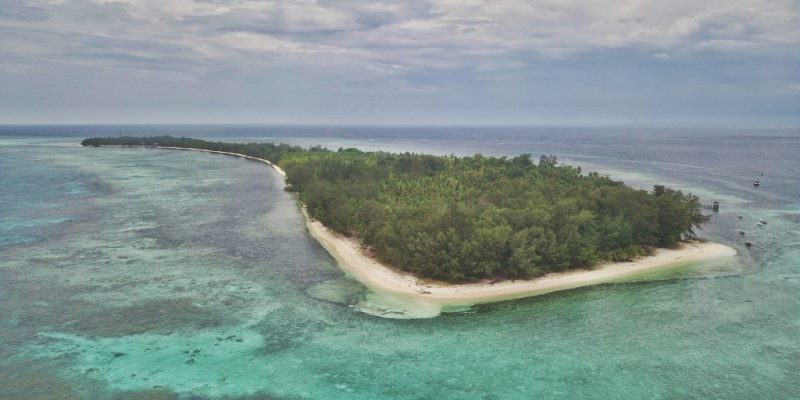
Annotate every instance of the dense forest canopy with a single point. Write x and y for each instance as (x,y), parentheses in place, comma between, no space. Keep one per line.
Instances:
(466,218)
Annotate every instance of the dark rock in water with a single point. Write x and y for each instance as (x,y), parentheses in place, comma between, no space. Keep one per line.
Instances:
(146,316)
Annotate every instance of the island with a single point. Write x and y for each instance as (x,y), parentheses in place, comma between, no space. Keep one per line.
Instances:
(455,231)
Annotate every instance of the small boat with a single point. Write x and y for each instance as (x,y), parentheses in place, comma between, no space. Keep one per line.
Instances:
(740,217)
(756,184)
(762,221)
(748,243)
(741,232)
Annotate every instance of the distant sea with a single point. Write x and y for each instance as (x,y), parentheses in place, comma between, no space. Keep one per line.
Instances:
(153,274)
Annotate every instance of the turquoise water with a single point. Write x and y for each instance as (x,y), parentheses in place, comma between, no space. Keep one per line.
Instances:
(132,273)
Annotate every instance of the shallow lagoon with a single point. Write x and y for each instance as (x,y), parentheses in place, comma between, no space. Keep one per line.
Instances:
(130,273)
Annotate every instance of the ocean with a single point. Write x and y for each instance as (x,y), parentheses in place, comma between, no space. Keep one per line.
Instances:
(154,274)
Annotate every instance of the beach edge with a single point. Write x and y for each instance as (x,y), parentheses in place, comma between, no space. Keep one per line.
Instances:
(350,257)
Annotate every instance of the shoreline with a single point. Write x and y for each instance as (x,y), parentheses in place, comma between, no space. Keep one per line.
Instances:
(378,277)
(277,169)
(351,258)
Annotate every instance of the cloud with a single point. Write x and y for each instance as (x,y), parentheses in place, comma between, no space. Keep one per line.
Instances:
(19,10)
(793,88)
(415,34)
(379,47)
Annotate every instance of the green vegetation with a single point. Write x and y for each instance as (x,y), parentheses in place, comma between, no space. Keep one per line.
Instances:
(466,218)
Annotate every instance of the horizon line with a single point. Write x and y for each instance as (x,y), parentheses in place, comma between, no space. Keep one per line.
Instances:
(732,126)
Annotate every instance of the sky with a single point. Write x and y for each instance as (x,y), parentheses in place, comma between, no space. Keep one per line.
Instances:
(415,62)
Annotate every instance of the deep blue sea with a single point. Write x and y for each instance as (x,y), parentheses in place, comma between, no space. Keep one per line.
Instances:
(154,274)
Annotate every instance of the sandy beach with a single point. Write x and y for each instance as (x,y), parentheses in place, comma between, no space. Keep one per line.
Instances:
(351,258)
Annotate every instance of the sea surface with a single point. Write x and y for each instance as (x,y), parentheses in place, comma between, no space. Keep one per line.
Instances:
(157,274)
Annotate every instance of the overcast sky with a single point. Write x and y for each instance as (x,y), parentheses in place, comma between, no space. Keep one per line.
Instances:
(463,62)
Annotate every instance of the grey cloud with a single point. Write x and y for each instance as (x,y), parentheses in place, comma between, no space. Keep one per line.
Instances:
(427,34)
(414,51)
(261,23)
(21,11)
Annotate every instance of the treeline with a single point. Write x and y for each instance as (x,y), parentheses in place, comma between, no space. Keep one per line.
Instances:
(268,151)
(467,218)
